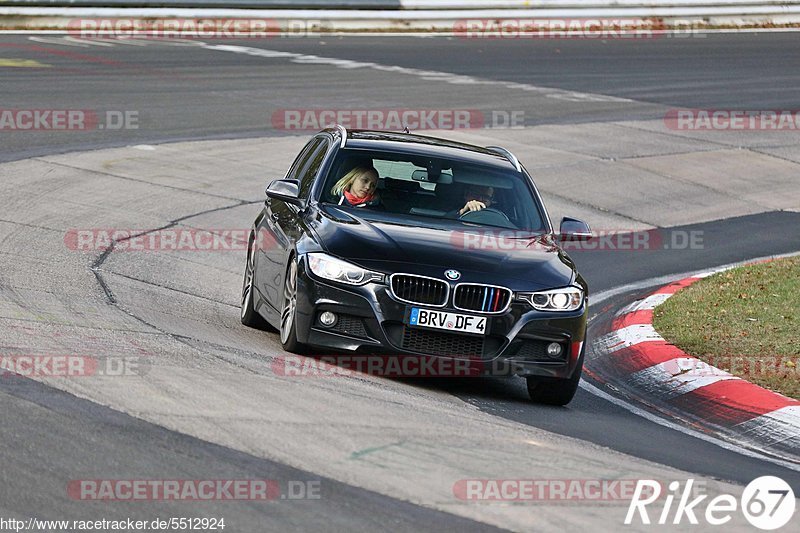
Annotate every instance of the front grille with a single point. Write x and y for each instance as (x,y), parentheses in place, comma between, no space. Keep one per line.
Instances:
(419,289)
(483,298)
(444,344)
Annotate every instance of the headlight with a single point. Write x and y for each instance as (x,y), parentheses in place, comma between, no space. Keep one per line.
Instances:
(566,299)
(327,267)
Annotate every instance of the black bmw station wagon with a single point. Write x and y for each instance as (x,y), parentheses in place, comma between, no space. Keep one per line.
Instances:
(397,243)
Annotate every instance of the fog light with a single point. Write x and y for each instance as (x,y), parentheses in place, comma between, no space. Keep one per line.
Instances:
(327,319)
(553,349)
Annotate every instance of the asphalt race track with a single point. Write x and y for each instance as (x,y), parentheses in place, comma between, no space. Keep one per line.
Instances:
(202,95)
(386,454)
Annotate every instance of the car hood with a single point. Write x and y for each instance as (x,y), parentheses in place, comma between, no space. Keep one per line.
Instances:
(481,254)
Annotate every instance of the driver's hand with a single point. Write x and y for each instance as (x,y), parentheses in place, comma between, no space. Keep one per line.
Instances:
(472,205)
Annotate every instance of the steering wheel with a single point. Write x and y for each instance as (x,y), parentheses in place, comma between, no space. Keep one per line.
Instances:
(488,215)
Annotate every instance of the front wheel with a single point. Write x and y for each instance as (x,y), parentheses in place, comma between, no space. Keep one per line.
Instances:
(289,312)
(250,316)
(553,391)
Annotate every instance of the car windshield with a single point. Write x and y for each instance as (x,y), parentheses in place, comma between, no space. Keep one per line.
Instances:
(439,189)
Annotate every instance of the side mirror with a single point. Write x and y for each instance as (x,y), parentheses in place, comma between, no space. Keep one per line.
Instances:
(287,191)
(573,229)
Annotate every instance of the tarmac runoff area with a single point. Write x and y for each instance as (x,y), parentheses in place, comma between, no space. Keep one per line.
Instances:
(211,378)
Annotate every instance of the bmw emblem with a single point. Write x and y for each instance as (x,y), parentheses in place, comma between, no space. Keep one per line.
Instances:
(452,274)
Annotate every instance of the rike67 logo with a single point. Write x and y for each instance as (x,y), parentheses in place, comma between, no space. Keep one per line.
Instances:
(767,503)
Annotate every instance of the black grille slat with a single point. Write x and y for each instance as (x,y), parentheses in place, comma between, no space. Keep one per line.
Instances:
(419,290)
(443,344)
(482,298)
(350,325)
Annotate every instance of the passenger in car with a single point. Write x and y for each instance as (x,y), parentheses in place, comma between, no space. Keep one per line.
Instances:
(358,187)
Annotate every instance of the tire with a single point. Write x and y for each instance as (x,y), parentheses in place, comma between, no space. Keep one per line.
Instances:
(249,315)
(553,391)
(288,329)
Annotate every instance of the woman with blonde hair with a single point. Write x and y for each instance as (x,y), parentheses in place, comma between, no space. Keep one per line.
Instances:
(357,187)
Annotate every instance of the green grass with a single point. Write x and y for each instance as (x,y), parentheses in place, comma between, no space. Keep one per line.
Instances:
(745,321)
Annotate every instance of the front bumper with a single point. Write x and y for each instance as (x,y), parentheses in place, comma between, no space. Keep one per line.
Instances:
(371,322)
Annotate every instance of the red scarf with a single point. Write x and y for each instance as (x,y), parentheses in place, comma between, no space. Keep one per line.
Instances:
(355,200)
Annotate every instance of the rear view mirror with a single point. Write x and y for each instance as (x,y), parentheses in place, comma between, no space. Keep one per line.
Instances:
(445,178)
(573,229)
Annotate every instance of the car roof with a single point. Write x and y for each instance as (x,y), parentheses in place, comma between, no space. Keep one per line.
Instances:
(413,143)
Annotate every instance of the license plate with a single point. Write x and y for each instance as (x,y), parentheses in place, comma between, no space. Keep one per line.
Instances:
(428,318)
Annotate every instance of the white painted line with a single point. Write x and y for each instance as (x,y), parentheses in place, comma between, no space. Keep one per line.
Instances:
(431,75)
(523,4)
(179,42)
(86,41)
(686,431)
(128,41)
(709,273)
(140,42)
(57,41)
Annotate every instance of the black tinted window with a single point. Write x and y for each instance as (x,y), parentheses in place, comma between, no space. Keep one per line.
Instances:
(311,166)
(404,188)
(295,172)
